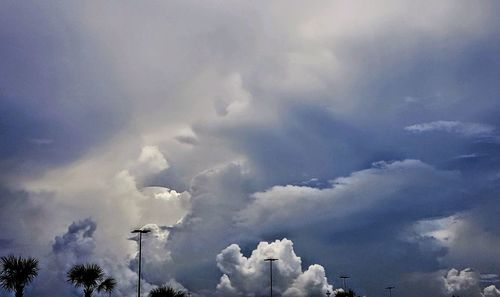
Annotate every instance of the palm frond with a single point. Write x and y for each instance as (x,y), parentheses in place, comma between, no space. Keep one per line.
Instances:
(166,291)
(88,275)
(107,285)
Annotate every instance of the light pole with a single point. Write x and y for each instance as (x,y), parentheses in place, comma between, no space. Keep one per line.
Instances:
(271,260)
(140,231)
(344,278)
(390,290)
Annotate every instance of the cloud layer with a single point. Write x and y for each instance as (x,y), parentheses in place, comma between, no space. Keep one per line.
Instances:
(365,133)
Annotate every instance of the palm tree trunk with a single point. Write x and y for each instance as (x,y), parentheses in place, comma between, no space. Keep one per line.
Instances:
(19,291)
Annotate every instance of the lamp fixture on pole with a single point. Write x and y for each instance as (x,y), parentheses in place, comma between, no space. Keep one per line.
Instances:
(344,281)
(390,290)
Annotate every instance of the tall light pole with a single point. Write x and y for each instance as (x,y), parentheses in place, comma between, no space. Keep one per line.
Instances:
(344,280)
(390,290)
(271,260)
(140,231)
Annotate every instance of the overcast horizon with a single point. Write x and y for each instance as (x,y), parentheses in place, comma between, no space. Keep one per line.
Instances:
(341,137)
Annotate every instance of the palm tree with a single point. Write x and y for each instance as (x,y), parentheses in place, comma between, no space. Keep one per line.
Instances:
(166,291)
(17,272)
(91,278)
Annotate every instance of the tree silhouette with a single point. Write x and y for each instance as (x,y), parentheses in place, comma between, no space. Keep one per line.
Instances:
(343,293)
(91,277)
(17,272)
(166,291)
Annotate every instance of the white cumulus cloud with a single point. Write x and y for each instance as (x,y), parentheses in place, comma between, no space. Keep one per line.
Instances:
(249,276)
(151,161)
(491,291)
(466,282)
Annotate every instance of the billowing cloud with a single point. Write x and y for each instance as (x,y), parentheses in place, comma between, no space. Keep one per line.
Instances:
(460,281)
(150,161)
(240,122)
(249,276)
(156,257)
(466,282)
(448,282)
(78,240)
(491,291)
(400,189)
(76,246)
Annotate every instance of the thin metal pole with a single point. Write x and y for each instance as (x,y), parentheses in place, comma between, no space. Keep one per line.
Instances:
(271,269)
(140,256)
(271,260)
(140,231)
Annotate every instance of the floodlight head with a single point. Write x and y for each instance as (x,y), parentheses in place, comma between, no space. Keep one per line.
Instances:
(344,276)
(390,288)
(141,231)
(271,259)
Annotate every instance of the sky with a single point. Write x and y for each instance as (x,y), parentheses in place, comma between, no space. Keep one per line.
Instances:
(341,137)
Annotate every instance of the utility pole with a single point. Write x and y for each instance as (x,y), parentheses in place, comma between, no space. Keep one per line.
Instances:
(271,260)
(140,231)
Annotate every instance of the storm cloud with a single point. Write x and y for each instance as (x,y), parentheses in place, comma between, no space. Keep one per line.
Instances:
(366,134)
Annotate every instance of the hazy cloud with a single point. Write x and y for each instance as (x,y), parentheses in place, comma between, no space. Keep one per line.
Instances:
(462,129)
